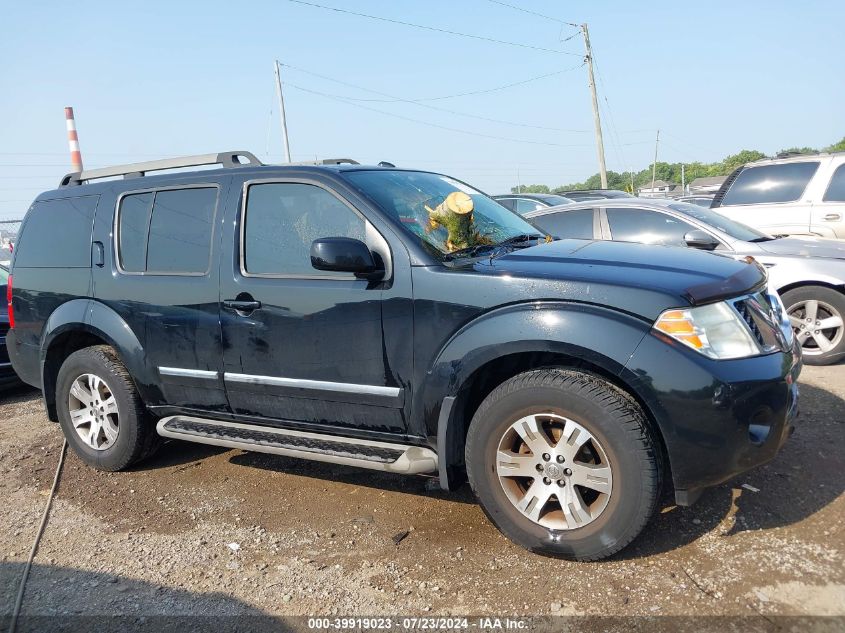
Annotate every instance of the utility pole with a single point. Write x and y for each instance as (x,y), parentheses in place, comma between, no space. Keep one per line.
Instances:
(518,181)
(596,117)
(683,179)
(654,164)
(282,109)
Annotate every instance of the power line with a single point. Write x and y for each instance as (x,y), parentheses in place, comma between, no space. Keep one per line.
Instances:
(433,28)
(539,15)
(429,106)
(466,94)
(428,123)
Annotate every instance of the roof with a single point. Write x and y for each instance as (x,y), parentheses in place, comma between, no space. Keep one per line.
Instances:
(707,181)
(657,183)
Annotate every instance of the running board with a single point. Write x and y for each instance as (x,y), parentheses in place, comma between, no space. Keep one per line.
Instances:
(386,456)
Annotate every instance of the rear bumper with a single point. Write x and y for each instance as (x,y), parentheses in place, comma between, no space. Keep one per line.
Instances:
(24,360)
(717,418)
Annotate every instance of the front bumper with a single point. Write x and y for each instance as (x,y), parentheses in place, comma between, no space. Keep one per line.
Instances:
(717,418)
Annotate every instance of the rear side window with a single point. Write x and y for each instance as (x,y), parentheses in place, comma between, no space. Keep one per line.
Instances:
(576,224)
(283,219)
(167,231)
(523,206)
(57,234)
(770,183)
(836,189)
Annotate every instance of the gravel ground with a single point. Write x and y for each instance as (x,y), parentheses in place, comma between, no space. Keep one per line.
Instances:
(217,532)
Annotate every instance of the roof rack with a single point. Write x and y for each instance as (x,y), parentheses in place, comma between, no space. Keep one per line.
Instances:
(328,161)
(136,170)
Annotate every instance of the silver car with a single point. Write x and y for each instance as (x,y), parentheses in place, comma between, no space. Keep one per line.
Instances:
(808,272)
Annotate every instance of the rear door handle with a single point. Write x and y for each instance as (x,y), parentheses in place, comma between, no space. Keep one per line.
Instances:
(99,254)
(833,217)
(241,306)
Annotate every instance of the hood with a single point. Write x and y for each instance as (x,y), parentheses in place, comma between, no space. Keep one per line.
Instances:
(682,276)
(804,247)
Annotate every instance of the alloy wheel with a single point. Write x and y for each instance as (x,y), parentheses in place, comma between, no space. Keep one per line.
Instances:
(818,326)
(554,471)
(94,411)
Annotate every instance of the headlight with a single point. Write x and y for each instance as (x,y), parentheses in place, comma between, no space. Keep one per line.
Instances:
(715,330)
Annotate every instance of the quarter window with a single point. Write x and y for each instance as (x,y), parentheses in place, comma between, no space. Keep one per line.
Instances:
(770,183)
(167,231)
(283,219)
(57,234)
(647,227)
(836,189)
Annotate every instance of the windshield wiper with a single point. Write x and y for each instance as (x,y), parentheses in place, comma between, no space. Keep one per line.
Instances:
(475,251)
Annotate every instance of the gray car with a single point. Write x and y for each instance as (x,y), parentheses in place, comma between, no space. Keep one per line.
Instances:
(808,272)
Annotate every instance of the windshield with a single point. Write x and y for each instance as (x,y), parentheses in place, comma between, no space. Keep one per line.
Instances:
(736,230)
(445,215)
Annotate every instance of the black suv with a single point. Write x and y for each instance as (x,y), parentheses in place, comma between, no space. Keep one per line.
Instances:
(401,321)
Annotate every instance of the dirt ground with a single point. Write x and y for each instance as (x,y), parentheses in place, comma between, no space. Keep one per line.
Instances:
(217,532)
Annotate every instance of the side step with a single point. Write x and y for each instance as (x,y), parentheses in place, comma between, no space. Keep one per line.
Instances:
(394,458)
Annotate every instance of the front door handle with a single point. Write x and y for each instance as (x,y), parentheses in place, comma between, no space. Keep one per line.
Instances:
(833,217)
(241,305)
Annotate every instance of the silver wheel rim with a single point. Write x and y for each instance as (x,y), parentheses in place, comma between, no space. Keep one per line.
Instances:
(554,471)
(93,411)
(817,325)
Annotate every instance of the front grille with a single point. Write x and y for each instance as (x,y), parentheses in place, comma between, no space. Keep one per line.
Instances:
(763,321)
(745,313)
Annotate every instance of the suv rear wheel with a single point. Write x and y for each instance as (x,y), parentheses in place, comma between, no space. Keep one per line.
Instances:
(101,414)
(816,314)
(563,463)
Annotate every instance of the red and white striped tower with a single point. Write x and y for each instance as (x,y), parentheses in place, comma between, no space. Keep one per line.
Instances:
(73,141)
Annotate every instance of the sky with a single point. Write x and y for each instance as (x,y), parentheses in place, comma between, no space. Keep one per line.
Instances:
(157,79)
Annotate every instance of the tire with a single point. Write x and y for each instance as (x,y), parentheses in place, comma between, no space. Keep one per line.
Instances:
(820,345)
(601,413)
(117,431)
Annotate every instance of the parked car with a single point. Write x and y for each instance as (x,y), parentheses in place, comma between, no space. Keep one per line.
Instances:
(701,200)
(580,195)
(7,374)
(339,313)
(524,202)
(798,195)
(808,272)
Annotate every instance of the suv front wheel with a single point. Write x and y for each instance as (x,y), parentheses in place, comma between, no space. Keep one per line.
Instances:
(563,463)
(101,414)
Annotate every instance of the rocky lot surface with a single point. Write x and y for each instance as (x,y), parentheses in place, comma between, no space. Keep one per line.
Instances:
(199,530)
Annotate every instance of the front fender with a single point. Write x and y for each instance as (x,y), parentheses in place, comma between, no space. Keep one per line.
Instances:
(597,335)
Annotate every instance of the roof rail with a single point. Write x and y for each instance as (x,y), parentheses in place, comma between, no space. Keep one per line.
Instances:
(136,170)
(327,161)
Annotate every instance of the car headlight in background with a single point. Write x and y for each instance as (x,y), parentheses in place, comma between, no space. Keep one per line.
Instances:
(715,330)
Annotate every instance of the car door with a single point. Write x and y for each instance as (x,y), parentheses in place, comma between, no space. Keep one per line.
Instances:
(162,282)
(772,198)
(308,348)
(828,216)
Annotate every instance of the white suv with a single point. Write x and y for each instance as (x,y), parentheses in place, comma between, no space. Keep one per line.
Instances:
(799,195)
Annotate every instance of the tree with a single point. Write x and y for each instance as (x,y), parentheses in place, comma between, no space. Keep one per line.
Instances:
(799,150)
(737,160)
(530,189)
(836,147)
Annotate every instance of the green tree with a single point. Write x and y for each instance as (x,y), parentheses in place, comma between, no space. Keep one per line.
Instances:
(737,160)
(530,189)
(836,147)
(799,150)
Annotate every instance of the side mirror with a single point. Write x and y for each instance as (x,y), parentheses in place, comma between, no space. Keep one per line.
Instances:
(345,255)
(701,239)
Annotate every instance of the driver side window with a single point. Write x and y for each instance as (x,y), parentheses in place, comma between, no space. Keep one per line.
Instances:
(282,220)
(646,227)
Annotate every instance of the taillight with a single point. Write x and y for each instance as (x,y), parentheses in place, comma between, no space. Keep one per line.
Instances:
(9,302)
